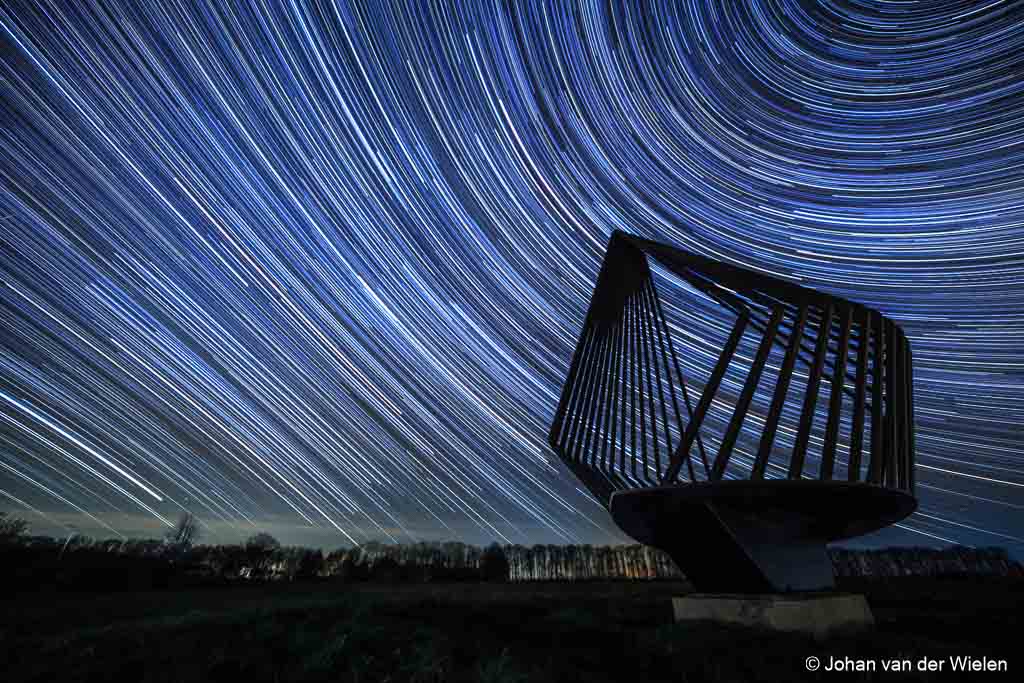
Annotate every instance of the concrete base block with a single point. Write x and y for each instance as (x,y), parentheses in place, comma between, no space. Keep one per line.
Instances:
(816,614)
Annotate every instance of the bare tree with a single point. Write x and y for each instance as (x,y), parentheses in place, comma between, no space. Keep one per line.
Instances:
(185,533)
(11,528)
(262,541)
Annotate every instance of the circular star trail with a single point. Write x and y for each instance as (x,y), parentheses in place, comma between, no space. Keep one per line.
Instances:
(323,266)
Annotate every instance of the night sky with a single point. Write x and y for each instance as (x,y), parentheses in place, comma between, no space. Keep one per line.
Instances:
(320,269)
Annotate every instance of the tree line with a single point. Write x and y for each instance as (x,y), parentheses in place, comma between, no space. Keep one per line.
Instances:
(180,559)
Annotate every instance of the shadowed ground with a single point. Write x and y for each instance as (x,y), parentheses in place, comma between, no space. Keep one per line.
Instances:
(465,632)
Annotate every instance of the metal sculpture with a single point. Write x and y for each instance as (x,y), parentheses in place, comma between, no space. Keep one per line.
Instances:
(738,517)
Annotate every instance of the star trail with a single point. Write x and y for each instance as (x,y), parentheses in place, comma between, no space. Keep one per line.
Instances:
(323,266)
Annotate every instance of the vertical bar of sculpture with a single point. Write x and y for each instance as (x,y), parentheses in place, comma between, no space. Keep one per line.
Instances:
(571,388)
(668,378)
(611,386)
(898,408)
(890,474)
(746,395)
(575,412)
(706,397)
(828,451)
(796,463)
(648,356)
(639,360)
(910,418)
(600,424)
(586,434)
(857,425)
(632,392)
(877,428)
(771,424)
(682,385)
(593,402)
(614,396)
(648,314)
(904,384)
(624,376)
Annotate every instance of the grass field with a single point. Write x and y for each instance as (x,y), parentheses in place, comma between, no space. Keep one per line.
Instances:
(472,632)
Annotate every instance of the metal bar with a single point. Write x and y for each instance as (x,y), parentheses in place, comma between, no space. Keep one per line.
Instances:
(601,447)
(570,392)
(735,278)
(632,390)
(624,377)
(705,399)
(583,444)
(796,463)
(579,391)
(828,451)
(771,423)
(567,391)
(890,475)
(877,429)
(686,396)
(649,313)
(809,359)
(743,404)
(911,454)
(857,425)
(682,384)
(596,301)
(904,412)
(638,359)
(598,305)
(899,478)
(731,301)
(668,377)
(614,395)
(600,432)
(649,359)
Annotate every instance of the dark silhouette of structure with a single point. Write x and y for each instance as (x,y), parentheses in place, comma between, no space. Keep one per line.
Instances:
(744,492)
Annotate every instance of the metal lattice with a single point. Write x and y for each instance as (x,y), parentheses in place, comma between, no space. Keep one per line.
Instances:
(629,417)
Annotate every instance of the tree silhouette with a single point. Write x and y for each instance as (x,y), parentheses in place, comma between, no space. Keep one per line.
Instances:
(494,564)
(185,533)
(11,528)
(262,541)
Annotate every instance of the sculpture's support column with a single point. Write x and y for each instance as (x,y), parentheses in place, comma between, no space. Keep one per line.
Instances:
(755,536)
(738,552)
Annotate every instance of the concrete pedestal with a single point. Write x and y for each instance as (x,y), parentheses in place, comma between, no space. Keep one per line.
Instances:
(816,614)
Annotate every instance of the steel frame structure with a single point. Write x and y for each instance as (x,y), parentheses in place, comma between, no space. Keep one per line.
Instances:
(634,430)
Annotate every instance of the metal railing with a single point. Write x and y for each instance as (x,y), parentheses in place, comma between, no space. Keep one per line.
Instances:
(629,417)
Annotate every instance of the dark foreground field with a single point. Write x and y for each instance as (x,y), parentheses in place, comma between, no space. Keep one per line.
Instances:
(474,632)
